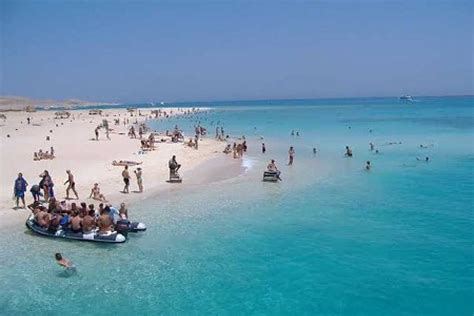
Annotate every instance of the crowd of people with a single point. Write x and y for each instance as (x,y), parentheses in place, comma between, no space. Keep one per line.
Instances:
(80,218)
(42,155)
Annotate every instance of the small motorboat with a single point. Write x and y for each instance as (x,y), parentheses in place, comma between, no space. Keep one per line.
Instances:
(407,98)
(112,237)
(271,176)
(125,226)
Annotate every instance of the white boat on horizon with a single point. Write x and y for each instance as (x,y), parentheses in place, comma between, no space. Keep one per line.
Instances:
(406,98)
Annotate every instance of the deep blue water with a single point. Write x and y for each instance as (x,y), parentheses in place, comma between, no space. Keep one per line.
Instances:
(330,239)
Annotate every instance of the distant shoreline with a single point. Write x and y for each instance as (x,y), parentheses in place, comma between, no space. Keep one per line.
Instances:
(16,103)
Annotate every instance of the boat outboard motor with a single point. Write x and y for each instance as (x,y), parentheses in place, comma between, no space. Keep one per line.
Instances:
(122,226)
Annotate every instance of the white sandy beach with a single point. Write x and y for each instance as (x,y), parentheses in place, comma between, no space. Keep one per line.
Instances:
(90,161)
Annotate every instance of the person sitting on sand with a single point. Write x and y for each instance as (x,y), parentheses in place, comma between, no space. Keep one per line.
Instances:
(64,262)
(104,222)
(190,143)
(96,195)
(35,156)
(348,152)
(227,149)
(88,222)
(40,154)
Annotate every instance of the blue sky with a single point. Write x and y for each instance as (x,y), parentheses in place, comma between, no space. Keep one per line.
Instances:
(176,51)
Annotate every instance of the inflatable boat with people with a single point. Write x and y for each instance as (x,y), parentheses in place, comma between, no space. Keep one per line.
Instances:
(95,236)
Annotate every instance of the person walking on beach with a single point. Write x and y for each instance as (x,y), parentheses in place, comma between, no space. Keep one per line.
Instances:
(291,154)
(71,185)
(126,179)
(19,189)
(96,133)
(138,173)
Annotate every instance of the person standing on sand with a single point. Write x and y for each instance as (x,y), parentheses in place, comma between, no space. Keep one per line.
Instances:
(126,179)
(71,185)
(107,133)
(138,173)
(19,189)
(291,154)
(97,133)
(47,184)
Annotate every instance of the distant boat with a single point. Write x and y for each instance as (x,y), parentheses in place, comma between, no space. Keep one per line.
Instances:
(406,98)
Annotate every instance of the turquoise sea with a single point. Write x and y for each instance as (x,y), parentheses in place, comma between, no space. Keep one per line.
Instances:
(330,239)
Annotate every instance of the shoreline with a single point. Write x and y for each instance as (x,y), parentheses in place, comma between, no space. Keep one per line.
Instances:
(91,161)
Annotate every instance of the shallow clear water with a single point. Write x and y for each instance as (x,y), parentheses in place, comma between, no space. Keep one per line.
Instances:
(330,239)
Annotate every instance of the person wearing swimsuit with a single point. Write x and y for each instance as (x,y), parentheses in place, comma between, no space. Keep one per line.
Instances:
(71,185)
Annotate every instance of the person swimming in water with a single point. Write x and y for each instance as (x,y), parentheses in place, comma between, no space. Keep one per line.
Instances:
(368,166)
(427,159)
(64,262)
